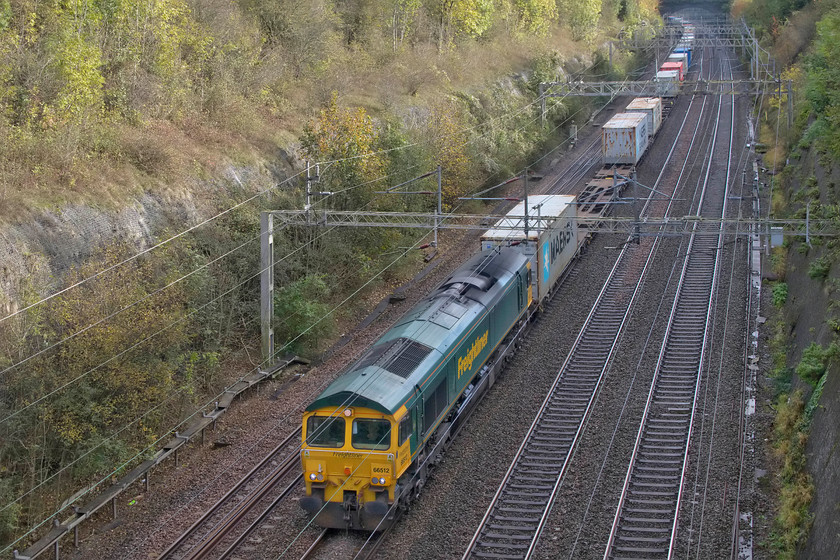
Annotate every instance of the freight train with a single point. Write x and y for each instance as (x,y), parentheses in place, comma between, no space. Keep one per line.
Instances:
(371,436)
(676,65)
(370,439)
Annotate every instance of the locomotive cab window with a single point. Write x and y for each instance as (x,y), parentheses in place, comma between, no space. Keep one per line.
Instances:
(325,431)
(371,434)
(405,429)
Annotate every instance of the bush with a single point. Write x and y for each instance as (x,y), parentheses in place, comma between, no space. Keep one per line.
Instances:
(814,362)
(819,268)
(778,261)
(301,312)
(791,434)
(780,293)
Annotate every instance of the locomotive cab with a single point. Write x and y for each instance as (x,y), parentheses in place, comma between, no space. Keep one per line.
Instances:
(351,456)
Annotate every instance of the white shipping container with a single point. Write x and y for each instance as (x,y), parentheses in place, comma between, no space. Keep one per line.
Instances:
(625,138)
(552,237)
(652,107)
(667,83)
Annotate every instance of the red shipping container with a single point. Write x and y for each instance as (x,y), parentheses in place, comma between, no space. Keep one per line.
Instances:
(678,66)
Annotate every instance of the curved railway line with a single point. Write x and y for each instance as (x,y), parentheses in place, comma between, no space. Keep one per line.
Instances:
(646,520)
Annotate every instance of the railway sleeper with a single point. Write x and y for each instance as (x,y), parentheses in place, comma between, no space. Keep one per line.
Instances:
(499,556)
(509,546)
(496,526)
(507,536)
(644,520)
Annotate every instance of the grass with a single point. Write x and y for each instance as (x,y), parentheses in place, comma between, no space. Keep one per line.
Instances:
(793,520)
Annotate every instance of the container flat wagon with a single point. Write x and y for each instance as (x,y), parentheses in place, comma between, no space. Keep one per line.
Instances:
(667,83)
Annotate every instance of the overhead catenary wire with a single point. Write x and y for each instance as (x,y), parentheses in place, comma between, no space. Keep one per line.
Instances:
(254,197)
(217,396)
(348,402)
(453,211)
(146,339)
(247,451)
(101,272)
(238,205)
(184,277)
(208,303)
(148,249)
(322,318)
(161,289)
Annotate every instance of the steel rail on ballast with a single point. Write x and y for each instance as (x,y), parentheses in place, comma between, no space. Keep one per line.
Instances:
(534,476)
(645,522)
(192,545)
(316,544)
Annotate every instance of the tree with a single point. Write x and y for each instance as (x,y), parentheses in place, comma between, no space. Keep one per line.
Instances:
(403,16)
(301,31)
(535,16)
(348,138)
(449,148)
(471,17)
(581,16)
(823,89)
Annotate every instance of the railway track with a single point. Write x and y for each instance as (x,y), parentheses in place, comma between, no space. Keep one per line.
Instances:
(516,516)
(216,528)
(646,520)
(518,512)
(360,550)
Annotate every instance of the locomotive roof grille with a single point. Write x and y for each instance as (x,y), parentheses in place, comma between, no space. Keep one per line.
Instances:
(400,356)
(407,361)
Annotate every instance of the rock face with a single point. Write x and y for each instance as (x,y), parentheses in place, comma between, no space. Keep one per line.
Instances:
(35,255)
(824,464)
(809,306)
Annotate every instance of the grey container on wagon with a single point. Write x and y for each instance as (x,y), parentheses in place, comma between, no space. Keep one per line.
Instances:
(667,83)
(679,57)
(652,107)
(552,240)
(624,138)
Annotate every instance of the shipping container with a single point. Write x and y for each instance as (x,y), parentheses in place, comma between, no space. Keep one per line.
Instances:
(667,83)
(679,57)
(552,237)
(625,138)
(652,107)
(678,66)
(687,52)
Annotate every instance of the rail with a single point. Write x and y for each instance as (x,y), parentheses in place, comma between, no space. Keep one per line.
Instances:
(51,540)
(646,519)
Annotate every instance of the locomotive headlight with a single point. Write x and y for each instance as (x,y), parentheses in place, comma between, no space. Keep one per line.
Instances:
(381,481)
(374,480)
(313,476)
(320,477)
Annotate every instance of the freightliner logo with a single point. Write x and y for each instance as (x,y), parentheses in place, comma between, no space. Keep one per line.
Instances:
(465,363)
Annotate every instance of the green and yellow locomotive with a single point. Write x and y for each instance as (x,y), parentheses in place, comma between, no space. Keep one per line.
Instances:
(370,437)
